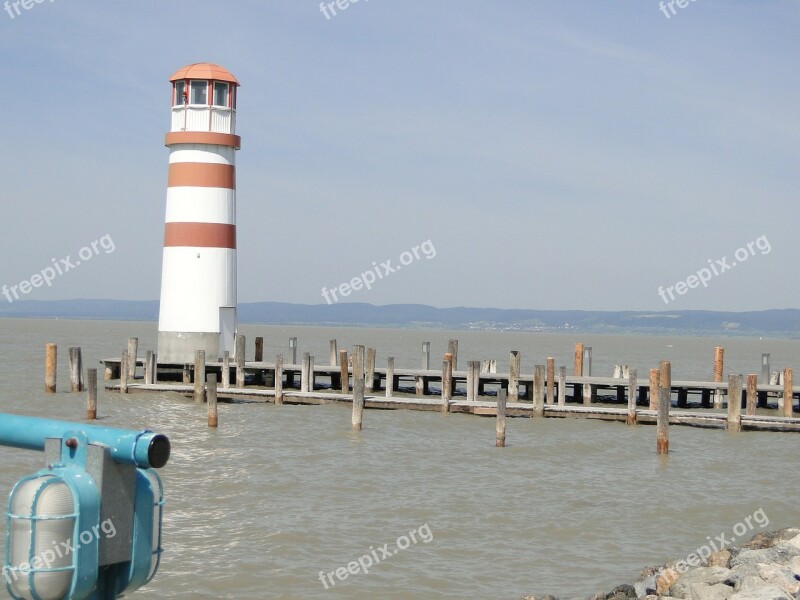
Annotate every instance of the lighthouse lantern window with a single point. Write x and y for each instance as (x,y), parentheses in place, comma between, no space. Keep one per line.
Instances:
(199,92)
(180,92)
(221,94)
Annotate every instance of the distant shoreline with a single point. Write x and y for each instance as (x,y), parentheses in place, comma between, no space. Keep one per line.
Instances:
(775,323)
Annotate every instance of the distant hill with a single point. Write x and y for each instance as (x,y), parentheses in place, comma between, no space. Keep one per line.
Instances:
(772,323)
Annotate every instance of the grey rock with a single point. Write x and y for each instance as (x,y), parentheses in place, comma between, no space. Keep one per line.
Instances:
(597,596)
(622,592)
(645,587)
(689,585)
(765,592)
(749,583)
(780,553)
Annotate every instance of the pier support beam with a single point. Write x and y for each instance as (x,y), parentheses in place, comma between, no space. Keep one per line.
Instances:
(389,377)
(562,386)
(664,395)
(50,368)
(279,379)
(91,399)
(199,376)
(500,426)
(344,372)
(551,383)
(752,394)
(538,391)
(719,363)
(358,404)
(632,385)
(514,363)
(734,403)
(75,370)
(788,398)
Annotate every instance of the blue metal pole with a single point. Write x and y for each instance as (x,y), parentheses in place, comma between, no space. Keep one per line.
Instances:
(141,448)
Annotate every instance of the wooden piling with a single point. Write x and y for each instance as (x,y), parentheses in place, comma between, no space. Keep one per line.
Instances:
(358,363)
(369,371)
(279,379)
(123,373)
(587,361)
(447,373)
(91,398)
(788,399)
(551,383)
(734,403)
(654,376)
(344,372)
(562,386)
(514,362)
(293,350)
(473,376)
(213,415)
(75,370)
(500,426)
(259,357)
(664,395)
(148,367)
(333,352)
(389,376)
(632,393)
(200,376)
(239,356)
(187,374)
(719,364)
(133,351)
(452,348)
(587,393)
(50,368)
(752,394)
(578,359)
(154,368)
(426,356)
(538,391)
(358,404)
(304,371)
(226,370)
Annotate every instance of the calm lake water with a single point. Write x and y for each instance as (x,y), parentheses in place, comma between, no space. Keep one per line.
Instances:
(259,507)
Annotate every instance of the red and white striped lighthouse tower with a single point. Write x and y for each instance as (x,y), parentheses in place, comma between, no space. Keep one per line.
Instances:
(198,279)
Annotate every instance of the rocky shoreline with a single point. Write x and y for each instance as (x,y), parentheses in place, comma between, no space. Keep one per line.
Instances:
(765,568)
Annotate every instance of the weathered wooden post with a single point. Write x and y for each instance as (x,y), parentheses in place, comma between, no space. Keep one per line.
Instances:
(148,368)
(123,373)
(279,379)
(719,360)
(358,363)
(562,386)
(500,426)
(344,372)
(389,376)
(154,368)
(632,389)
(213,415)
(538,391)
(259,357)
(239,351)
(578,359)
(452,348)
(292,357)
(654,376)
(358,404)
(50,368)
(426,356)
(752,394)
(734,403)
(587,393)
(369,371)
(551,383)
(788,397)
(765,373)
(473,375)
(333,352)
(226,370)
(587,361)
(664,396)
(200,376)
(187,374)
(133,351)
(304,371)
(447,372)
(75,370)
(91,399)
(514,362)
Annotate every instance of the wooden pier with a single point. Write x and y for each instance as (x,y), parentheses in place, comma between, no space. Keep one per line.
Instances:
(546,392)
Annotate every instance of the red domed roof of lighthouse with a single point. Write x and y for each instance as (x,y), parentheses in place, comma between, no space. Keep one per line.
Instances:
(204,71)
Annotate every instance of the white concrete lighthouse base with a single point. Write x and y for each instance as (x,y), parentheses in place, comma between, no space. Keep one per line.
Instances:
(179,347)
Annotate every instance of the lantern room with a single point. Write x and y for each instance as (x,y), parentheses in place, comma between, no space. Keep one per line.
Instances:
(204,99)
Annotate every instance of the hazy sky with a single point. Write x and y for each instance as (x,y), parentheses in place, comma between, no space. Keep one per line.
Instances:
(558,154)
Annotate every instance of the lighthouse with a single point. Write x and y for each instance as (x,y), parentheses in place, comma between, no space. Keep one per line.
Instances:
(198,277)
